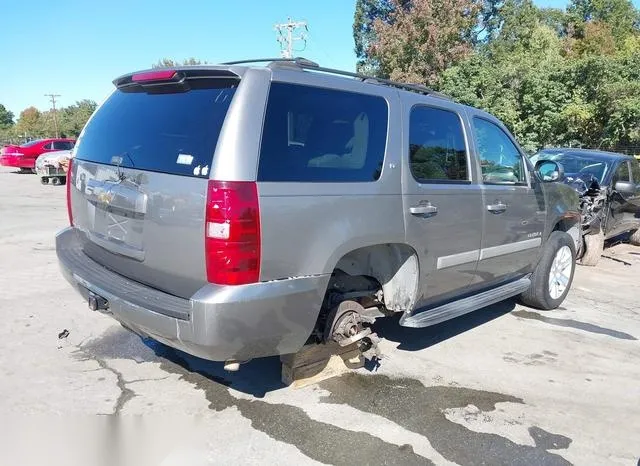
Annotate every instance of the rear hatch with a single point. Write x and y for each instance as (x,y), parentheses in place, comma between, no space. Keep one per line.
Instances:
(141,172)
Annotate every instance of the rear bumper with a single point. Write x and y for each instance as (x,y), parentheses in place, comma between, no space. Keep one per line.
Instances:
(17,161)
(217,323)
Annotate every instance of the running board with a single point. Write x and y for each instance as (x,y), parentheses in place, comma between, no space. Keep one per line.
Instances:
(432,316)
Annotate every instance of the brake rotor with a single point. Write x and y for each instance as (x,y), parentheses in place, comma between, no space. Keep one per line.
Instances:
(344,326)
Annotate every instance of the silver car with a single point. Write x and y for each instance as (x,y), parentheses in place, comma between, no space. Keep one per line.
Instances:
(240,211)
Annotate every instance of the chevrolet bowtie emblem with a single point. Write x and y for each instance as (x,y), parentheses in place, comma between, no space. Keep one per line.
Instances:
(105,197)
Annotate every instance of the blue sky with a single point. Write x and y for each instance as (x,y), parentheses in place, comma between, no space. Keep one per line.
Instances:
(77,47)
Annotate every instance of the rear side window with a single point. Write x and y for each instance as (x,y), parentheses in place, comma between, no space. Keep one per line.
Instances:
(322,135)
(437,151)
(172,132)
(62,145)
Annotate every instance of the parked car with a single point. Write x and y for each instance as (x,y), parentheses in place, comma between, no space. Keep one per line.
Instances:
(51,167)
(609,187)
(24,156)
(237,211)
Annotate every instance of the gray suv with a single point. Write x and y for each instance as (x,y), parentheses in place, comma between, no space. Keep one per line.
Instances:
(240,211)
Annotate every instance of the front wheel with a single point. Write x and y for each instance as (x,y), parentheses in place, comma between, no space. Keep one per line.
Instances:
(552,277)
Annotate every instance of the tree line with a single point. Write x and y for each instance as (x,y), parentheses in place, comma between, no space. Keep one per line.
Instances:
(33,123)
(554,77)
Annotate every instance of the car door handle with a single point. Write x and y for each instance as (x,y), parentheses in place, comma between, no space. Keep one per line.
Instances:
(497,208)
(426,210)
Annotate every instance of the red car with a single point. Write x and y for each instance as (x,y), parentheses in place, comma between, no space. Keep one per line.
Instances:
(24,156)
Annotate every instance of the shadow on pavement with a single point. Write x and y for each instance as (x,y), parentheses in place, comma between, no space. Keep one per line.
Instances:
(260,376)
(415,339)
(256,377)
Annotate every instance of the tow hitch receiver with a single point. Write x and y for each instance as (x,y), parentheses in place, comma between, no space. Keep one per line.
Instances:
(97,303)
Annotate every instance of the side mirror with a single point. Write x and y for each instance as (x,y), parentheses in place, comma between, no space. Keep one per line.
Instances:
(550,171)
(624,187)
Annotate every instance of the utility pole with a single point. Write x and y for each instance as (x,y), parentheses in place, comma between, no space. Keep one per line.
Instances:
(286,36)
(52,98)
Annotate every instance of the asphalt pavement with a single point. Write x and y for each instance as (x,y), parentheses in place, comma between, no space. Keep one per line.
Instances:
(503,385)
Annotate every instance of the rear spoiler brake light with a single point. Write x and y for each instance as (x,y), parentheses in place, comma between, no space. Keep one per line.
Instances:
(160,77)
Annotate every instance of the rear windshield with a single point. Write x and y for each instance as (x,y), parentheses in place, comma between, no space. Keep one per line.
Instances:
(322,135)
(32,143)
(173,132)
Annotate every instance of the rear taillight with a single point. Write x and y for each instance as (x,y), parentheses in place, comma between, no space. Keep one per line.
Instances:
(232,233)
(69,183)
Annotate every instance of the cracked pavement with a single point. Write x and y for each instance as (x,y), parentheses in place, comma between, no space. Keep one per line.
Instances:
(503,385)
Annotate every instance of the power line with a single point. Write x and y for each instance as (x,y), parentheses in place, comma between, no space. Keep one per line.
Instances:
(286,36)
(52,98)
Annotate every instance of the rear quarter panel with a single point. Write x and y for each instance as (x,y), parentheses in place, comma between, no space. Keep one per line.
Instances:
(308,227)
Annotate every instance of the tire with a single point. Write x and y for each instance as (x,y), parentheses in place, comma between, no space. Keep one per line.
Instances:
(635,238)
(559,254)
(55,181)
(44,180)
(593,247)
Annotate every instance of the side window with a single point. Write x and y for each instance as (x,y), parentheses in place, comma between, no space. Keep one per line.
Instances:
(500,160)
(635,172)
(61,145)
(437,150)
(622,172)
(48,146)
(322,135)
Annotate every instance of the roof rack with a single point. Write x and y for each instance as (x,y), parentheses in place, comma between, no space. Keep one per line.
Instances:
(306,64)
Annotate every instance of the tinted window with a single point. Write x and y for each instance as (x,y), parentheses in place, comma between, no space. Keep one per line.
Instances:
(48,146)
(323,135)
(622,172)
(436,145)
(167,132)
(62,145)
(500,160)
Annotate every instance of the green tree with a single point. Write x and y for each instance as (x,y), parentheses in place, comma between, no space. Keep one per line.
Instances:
(6,117)
(366,13)
(29,123)
(74,117)
(620,15)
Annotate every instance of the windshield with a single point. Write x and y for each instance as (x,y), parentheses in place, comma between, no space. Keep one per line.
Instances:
(577,165)
(32,143)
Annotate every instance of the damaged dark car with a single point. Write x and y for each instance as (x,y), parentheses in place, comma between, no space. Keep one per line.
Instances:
(609,188)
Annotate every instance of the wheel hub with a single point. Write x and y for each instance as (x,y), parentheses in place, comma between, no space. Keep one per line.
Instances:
(560,272)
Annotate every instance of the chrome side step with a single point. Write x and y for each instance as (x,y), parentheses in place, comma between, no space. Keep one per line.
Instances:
(431,316)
